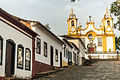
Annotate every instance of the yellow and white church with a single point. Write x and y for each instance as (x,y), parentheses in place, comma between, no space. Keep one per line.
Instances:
(96,40)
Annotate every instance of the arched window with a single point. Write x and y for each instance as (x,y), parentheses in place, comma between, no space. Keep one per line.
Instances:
(72,23)
(1,49)
(108,22)
(20,56)
(27,59)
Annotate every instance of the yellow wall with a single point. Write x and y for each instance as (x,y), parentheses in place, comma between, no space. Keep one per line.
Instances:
(104,43)
(64,63)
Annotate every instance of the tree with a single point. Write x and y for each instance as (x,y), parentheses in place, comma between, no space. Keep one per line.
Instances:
(72,0)
(117,43)
(115,9)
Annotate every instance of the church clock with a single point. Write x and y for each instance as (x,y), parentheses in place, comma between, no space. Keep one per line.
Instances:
(109,29)
(72,29)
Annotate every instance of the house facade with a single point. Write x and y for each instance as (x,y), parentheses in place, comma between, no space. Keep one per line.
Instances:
(48,47)
(82,49)
(17,44)
(51,49)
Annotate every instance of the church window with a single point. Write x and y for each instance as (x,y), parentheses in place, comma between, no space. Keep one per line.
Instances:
(45,49)
(38,49)
(108,23)
(1,49)
(20,56)
(90,36)
(56,55)
(99,41)
(27,59)
(72,23)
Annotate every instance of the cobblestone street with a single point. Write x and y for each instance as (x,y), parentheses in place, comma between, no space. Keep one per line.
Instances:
(100,70)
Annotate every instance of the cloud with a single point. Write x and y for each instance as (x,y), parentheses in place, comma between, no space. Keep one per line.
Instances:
(56,12)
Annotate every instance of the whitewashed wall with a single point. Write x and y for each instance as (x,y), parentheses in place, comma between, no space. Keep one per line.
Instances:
(8,32)
(45,36)
(110,43)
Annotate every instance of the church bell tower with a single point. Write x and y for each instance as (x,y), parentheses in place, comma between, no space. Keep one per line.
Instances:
(72,24)
(107,23)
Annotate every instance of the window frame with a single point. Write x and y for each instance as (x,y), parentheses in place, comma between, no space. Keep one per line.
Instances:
(38,40)
(72,23)
(56,55)
(30,60)
(1,49)
(83,40)
(18,66)
(100,42)
(108,22)
(45,49)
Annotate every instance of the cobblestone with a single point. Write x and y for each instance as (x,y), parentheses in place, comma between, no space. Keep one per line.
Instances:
(100,70)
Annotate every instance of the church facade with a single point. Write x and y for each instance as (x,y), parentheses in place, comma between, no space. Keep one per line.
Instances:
(100,40)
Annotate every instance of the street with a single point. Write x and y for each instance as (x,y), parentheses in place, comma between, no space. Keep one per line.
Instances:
(100,70)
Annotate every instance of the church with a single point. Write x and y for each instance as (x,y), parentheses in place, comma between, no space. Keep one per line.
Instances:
(96,40)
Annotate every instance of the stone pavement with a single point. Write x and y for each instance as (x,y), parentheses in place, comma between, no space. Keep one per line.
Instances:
(100,70)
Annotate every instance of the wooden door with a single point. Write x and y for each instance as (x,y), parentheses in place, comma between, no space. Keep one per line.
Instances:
(10,59)
(60,59)
(69,58)
(51,57)
(91,50)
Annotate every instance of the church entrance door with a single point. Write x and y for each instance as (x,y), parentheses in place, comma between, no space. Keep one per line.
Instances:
(91,50)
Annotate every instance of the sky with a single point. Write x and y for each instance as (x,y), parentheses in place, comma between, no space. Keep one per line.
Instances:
(56,12)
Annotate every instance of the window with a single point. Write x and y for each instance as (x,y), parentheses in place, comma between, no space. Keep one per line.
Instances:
(56,55)
(45,49)
(20,56)
(64,50)
(72,23)
(99,41)
(90,36)
(38,49)
(108,23)
(1,49)
(27,59)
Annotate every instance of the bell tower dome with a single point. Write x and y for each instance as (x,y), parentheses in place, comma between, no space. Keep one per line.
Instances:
(72,24)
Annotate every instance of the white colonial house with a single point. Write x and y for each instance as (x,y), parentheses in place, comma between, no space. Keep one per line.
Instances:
(48,47)
(75,56)
(16,48)
(79,43)
(49,54)
(67,53)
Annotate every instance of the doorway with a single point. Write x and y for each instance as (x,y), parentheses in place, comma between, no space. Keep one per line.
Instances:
(91,50)
(60,59)
(51,57)
(10,58)
(69,58)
